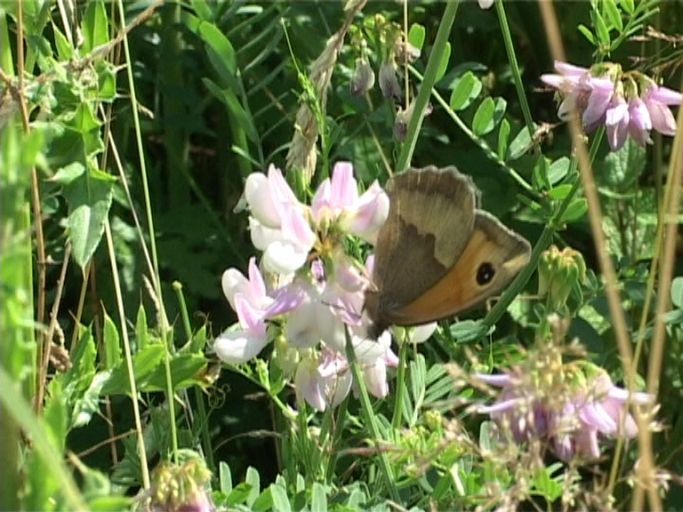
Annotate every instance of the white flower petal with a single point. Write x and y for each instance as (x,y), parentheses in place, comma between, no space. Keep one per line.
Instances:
(284,257)
(239,346)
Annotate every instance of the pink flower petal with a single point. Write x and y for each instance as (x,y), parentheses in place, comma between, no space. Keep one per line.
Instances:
(598,101)
(640,123)
(569,69)
(664,95)
(344,190)
(368,214)
(307,385)
(662,119)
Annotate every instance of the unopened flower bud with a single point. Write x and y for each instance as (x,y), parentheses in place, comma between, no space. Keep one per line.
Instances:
(363,78)
(180,487)
(559,271)
(388,82)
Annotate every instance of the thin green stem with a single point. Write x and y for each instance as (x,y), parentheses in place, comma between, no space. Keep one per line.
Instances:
(370,420)
(142,452)
(164,327)
(514,66)
(339,429)
(422,98)
(400,385)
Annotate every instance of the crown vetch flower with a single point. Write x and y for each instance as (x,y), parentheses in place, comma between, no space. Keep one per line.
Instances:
(589,409)
(627,103)
(316,290)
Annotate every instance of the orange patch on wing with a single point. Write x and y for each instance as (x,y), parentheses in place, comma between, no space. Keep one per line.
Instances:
(455,291)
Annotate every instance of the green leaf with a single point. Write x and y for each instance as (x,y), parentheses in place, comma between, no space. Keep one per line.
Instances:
(483,122)
(225,478)
(613,14)
(84,120)
(106,83)
(677,292)
(540,173)
(221,52)
(198,341)
(201,7)
(486,435)
(547,486)
(264,502)
(443,65)
(576,210)
(95,26)
(621,169)
(68,173)
(55,414)
(559,192)
(239,494)
(89,197)
(145,363)
(627,5)
(141,334)
(230,100)
(520,144)
(89,403)
(112,347)
(600,28)
(77,379)
(416,35)
(280,500)
(64,49)
(254,480)
(465,89)
(186,371)
(503,138)
(585,31)
(468,330)
(558,170)
(318,498)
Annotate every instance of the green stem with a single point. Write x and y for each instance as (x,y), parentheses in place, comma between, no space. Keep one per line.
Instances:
(339,429)
(370,420)
(543,241)
(152,238)
(198,396)
(400,385)
(426,86)
(516,75)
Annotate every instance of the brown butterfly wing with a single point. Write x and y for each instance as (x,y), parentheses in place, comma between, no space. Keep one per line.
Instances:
(493,256)
(431,217)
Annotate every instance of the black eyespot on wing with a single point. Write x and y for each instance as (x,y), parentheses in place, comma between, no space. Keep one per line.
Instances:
(485,273)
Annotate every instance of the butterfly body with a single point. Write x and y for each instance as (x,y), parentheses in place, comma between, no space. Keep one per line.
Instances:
(437,254)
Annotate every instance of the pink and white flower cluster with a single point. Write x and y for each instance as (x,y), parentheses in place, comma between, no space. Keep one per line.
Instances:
(625,103)
(572,419)
(311,291)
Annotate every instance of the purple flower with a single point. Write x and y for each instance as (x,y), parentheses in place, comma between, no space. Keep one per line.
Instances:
(656,101)
(606,95)
(572,420)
